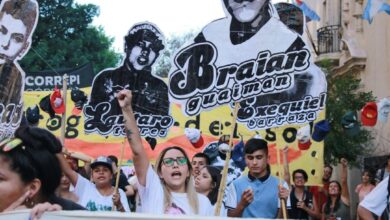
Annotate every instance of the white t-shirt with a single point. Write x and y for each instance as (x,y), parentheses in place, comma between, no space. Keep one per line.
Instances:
(92,200)
(152,199)
(376,200)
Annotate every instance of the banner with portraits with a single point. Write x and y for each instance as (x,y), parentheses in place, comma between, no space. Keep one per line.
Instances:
(18,20)
(253,58)
(247,57)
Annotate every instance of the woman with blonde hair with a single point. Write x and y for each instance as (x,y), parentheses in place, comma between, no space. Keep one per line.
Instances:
(169,188)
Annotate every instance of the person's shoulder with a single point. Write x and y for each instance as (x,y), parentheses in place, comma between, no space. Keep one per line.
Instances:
(273,179)
(241,179)
(203,200)
(66,204)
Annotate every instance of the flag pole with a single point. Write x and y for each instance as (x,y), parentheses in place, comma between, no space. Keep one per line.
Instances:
(63,120)
(283,205)
(222,185)
(119,169)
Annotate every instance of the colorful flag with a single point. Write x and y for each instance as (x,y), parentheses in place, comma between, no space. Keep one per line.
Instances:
(373,7)
(309,13)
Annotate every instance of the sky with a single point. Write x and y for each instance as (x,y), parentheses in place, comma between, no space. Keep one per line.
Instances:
(171,16)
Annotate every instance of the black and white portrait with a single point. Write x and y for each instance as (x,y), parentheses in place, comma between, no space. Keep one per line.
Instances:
(250,57)
(18,19)
(143,45)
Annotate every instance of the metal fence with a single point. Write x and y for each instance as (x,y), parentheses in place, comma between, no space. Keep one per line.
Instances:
(329,39)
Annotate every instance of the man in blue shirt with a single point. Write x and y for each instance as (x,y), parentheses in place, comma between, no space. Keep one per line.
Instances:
(256,194)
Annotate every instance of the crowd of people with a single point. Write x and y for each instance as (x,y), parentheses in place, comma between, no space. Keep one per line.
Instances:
(175,184)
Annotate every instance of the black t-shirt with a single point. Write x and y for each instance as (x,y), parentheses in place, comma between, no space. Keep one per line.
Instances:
(296,213)
(65,204)
(122,181)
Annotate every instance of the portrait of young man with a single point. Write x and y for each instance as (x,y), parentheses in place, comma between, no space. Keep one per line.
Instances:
(143,45)
(271,64)
(18,20)
(256,195)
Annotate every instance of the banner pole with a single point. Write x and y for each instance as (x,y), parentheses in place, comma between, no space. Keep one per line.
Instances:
(119,169)
(283,205)
(64,97)
(222,186)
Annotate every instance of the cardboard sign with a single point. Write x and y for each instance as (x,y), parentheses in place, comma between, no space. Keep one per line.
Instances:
(18,20)
(253,58)
(143,45)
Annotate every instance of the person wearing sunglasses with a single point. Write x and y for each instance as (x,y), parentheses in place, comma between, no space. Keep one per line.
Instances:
(30,172)
(169,188)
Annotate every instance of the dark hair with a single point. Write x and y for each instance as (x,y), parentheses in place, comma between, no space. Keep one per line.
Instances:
(329,200)
(304,174)
(329,166)
(35,158)
(24,10)
(114,159)
(202,155)
(255,144)
(144,31)
(216,177)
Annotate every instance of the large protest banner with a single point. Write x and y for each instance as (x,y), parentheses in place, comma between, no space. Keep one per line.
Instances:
(279,89)
(210,123)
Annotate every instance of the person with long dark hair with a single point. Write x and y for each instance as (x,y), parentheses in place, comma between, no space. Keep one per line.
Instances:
(30,171)
(337,204)
(208,182)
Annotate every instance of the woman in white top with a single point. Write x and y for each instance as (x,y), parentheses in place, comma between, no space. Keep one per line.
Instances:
(169,188)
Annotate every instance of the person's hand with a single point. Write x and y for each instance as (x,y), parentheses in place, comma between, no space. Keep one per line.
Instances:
(18,202)
(283,192)
(116,199)
(38,210)
(344,162)
(124,98)
(247,197)
(301,205)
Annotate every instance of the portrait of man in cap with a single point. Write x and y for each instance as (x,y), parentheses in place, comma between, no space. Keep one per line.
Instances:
(143,45)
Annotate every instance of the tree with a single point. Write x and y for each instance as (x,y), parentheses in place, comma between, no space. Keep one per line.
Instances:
(345,94)
(65,38)
(173,43)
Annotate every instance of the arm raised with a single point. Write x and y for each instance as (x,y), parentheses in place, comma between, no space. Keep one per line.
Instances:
(140,158)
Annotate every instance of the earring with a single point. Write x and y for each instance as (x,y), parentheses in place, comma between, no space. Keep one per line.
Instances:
(29,202)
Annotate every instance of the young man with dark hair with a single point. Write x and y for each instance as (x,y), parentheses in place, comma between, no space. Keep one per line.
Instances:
(199,160)
(256,194)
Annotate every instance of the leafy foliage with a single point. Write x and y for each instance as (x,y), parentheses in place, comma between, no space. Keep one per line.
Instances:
(173,43)
(65,38)
(345,94)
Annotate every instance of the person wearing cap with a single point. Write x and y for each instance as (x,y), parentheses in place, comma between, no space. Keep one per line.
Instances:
(256,194)
(98,195)
(143,45)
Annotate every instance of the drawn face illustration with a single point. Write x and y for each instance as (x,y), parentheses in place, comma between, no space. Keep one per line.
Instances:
(12,37)
(142,55)
(244,10)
